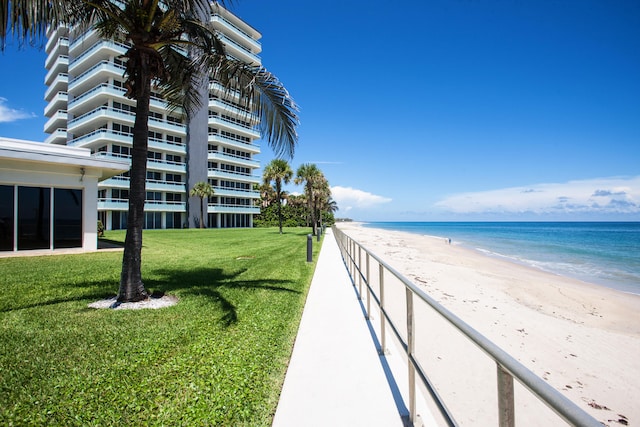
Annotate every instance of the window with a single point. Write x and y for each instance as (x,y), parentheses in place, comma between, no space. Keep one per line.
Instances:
(67,218)
(152,220)
(156,176)
(119,149)
(34,216)
(118,194)
(6,217)
(172,158)
(154,155)
(154,195)
(174,177)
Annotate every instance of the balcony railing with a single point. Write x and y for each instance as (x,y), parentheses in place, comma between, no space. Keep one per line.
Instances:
(358,261)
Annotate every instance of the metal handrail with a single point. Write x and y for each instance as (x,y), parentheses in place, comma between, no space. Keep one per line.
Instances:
(508,368)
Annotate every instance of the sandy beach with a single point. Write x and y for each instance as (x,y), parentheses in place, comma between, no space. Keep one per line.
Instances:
(581,338)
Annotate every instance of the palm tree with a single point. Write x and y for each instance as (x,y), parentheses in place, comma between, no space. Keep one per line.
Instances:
(309,174)
(202,189)
(279,171)
(159,34)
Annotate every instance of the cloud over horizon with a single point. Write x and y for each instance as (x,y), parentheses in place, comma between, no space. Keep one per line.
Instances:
(8,114)
(615,195)
(349,198)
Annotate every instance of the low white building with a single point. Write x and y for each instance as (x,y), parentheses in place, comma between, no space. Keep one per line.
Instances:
(49,195)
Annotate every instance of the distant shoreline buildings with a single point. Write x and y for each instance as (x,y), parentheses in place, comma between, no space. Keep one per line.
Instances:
(86,108)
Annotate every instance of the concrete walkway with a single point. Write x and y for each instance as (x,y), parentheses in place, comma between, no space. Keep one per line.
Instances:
(336,376)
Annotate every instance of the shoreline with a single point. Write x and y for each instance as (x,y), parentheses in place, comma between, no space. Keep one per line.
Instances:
(582,338)
(532,263)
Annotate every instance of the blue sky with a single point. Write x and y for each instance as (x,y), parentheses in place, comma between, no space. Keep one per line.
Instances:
(443,109)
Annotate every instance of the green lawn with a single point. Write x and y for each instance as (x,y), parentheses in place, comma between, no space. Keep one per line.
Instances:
(216,358)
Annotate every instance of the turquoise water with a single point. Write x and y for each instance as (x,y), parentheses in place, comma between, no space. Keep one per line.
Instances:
(603,253)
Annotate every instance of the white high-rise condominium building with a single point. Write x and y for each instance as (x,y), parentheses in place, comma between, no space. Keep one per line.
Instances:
(87,108)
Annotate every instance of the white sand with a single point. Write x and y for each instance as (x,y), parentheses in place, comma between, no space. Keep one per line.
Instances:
(582,339)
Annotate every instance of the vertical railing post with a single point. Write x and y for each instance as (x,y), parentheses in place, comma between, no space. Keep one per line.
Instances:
(383,334)
(506,411)
(368,288)
(410,350)
(359,272)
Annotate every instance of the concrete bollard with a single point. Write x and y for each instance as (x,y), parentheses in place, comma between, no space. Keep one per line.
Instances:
(309,248)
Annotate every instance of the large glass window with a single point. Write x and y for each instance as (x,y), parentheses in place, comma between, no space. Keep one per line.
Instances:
(34,216)
(6,217)
(67,218)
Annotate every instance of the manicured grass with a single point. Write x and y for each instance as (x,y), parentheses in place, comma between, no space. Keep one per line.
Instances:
(216,358)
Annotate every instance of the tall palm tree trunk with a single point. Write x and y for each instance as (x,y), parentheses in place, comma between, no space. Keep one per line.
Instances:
(201,214)
(131,285)
(279,197)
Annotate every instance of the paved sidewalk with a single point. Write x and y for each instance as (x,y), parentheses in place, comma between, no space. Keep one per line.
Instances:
(335,377)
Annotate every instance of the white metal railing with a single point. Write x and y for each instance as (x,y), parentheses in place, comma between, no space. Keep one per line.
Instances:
(507,367)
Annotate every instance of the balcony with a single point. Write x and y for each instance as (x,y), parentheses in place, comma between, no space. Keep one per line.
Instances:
(57,137)
(173,187)
(219,174)
(94,76)
(222,24)
(236,192)
(57,120)
(239,51)
(101,137)
(60,65)
(53,35)
(234,143)
(235,160)
(108,204)
(95,97)
(164,206)
(119,181)
(239,209)
(166,166)
(60,48)
(102,50)
(59,84)
(220,123)
(83,41)
(220,105)
(168,146)
(58,102)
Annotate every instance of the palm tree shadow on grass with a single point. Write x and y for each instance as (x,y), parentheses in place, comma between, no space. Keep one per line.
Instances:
(206,282)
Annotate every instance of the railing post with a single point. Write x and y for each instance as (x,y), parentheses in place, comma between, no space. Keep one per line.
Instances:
(383,335)
(506,411)
(359,272)
(410,350)
(368,288)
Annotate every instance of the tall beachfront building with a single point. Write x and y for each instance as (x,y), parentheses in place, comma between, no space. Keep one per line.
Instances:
(87,108)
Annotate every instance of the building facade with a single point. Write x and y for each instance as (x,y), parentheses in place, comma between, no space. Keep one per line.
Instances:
(48,196)
(86,107)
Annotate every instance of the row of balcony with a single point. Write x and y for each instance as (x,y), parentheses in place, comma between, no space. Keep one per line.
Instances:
(122,182)
(111,204)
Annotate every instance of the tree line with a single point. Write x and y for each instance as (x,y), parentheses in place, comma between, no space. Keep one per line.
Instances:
(313,208)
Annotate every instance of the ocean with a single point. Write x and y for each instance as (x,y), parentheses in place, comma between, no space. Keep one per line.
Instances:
(602,253)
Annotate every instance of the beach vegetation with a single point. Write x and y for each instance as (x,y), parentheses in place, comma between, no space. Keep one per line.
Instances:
(278,171)
(202,190)
(314,208)
(217,357)
(159,35)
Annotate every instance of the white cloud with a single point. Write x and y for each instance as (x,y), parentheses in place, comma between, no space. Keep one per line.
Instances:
(601,195)
(8,114)
(349,198)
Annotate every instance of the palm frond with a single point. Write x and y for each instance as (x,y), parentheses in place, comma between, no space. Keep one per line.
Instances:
(268,98)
